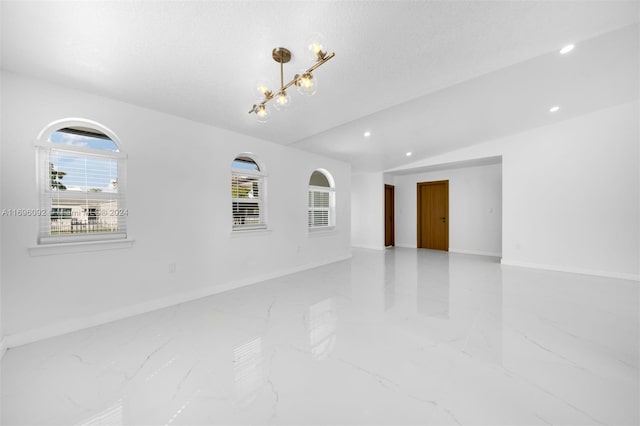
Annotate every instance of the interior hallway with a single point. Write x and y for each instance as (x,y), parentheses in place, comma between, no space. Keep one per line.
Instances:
(401,336)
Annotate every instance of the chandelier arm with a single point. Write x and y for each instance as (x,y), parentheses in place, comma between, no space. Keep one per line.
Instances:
(322,61)
(313,68)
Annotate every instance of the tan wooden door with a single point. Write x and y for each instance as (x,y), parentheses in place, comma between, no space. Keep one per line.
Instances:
(389,221)
(433,215)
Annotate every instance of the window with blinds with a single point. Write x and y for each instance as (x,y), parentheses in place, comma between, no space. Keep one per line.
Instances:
(318,208)
(321,200)
(247,194)
(81,187)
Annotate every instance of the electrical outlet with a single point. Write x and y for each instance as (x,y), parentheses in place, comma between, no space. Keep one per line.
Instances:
(172,268)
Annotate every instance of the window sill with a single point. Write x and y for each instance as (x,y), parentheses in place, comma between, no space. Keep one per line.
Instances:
(249,231)
(81,247)
(322,232)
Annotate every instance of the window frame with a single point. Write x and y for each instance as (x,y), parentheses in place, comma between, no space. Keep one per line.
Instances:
(45,150)
(261,179)
(331,209)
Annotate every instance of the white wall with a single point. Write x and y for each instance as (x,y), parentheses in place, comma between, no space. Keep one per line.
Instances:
(178,176)
(475,208)
(367,210)
(571,192)
(2,340)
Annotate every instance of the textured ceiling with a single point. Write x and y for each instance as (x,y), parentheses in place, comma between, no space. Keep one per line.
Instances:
(417,74)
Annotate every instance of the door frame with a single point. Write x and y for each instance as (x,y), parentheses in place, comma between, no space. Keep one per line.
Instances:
(390,207)
(419,186)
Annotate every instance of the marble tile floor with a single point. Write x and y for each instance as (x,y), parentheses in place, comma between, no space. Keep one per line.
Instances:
(400,337)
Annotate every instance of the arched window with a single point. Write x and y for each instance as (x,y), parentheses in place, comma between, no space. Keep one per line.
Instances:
(321,210)
(81,183)
(247,193)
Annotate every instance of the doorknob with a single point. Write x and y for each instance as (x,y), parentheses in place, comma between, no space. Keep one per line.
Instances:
(443,219)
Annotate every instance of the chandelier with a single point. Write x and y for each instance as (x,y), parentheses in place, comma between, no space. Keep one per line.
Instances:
(305,81)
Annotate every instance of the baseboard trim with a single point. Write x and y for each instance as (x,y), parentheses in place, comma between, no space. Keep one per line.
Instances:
(475,252)
(368,247)
(455,250)
(606,274)
(81,323)
(407,245)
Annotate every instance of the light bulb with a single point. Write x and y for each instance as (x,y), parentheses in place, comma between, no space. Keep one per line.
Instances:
(568,48)
(282,101)
(314,46)
(262,113)
(307,84)
(262,87)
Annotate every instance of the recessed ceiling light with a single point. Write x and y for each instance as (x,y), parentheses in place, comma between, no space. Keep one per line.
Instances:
(568,48)
(367,134)
(409,154)
(554,108)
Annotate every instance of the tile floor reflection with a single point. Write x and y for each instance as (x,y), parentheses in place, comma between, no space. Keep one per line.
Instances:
(397,337)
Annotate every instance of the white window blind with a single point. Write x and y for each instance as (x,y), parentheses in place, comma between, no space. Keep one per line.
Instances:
(81,189)
(247,193)
(318,207)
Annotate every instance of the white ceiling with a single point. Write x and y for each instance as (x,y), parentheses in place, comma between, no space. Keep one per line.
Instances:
(425,77)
